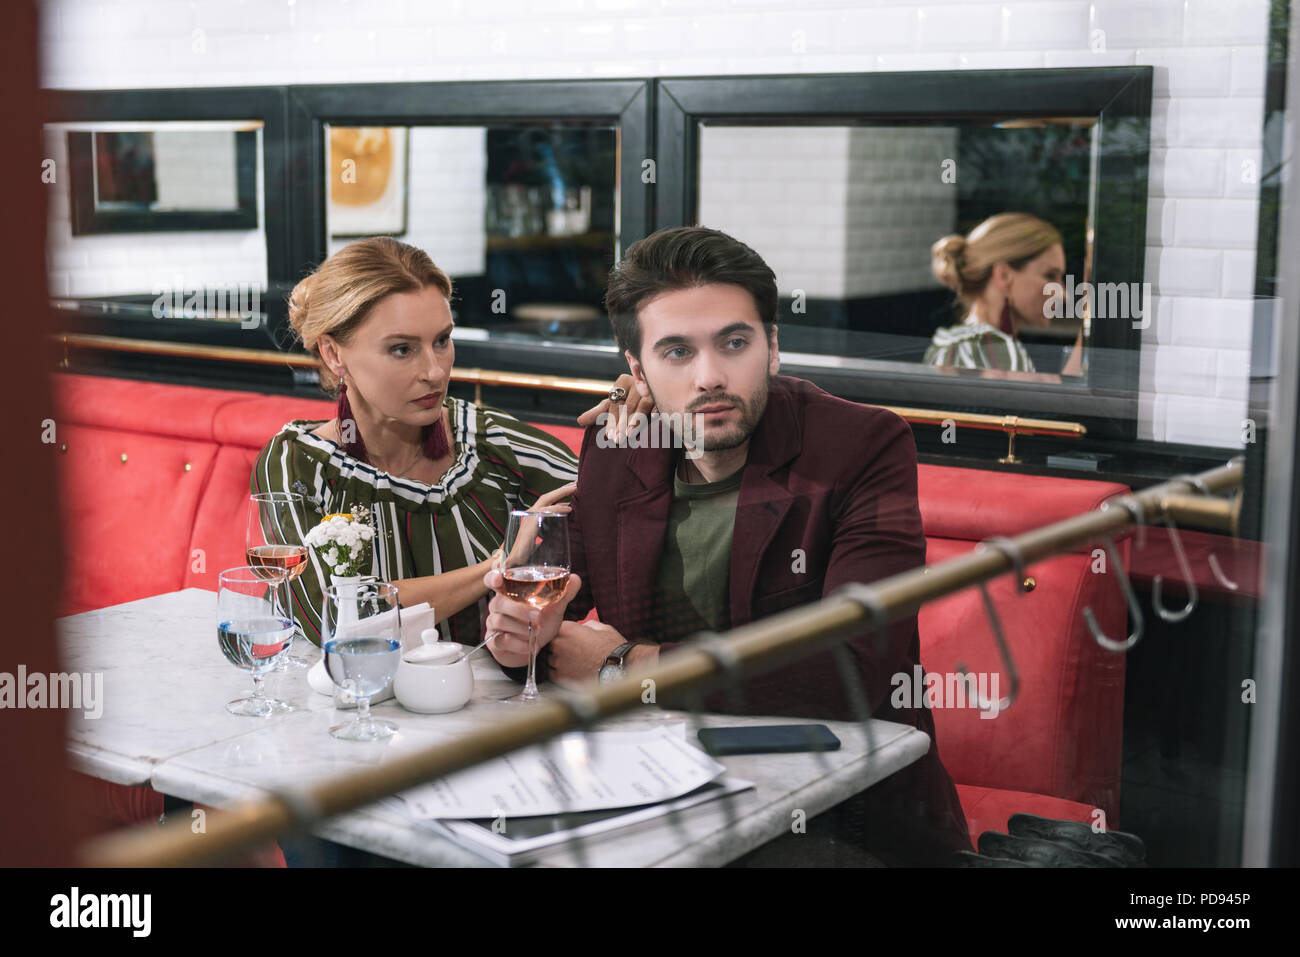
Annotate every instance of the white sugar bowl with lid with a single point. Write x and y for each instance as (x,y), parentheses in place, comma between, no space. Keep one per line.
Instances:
(434,678)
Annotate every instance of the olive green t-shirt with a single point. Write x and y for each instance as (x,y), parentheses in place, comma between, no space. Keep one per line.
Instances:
(691,589)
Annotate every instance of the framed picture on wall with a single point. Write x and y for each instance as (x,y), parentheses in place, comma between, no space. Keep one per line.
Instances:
(367,170)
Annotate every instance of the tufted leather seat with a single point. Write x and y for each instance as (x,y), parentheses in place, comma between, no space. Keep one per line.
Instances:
(1056,752)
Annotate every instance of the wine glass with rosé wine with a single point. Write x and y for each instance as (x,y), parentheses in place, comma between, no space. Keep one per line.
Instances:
(273,541)
(535,566)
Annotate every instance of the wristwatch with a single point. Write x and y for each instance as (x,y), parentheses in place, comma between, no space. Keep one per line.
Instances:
(613,668)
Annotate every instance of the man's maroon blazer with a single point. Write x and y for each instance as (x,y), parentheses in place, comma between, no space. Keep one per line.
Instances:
(828,497)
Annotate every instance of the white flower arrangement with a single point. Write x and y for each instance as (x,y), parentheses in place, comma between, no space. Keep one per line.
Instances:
(344,541)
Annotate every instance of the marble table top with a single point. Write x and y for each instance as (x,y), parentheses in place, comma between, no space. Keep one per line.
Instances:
(166,684)
(164,723)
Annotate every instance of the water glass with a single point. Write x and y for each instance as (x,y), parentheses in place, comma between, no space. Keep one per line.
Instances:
(362,645)
(254,630)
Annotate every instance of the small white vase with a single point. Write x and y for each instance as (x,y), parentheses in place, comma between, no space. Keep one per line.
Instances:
(346,586)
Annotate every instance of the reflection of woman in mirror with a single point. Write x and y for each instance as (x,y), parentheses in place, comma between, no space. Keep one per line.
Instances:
(1001,273)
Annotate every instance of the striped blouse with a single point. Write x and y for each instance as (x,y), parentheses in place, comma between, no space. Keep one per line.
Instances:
(501,463)
(978,346)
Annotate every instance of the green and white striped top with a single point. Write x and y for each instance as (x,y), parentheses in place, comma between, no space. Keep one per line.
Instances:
(977,345)
(501,464)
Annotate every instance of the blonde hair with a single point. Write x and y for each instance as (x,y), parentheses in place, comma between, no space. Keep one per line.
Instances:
(338,296)
(965,263)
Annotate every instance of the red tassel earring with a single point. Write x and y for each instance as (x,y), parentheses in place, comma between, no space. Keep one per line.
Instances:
(348,423)
(435,441)
(1005,322)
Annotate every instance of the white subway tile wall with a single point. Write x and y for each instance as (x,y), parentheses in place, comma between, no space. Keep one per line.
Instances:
(835,211)
(192,173)
(1209,79)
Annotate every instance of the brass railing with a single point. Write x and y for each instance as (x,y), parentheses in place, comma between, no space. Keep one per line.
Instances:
(1011,425)
(707,663)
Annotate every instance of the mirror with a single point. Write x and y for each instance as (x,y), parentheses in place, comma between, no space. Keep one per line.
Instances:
(906,159)
(847,214)
(523,217)
(161,220)
(162,179)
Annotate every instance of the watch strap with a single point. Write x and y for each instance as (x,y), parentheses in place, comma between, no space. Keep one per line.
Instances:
(619,654)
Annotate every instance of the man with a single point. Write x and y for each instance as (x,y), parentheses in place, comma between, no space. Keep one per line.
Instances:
(787,494)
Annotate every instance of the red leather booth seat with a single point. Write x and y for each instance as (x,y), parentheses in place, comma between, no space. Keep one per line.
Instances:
(154,486)
(1056,751)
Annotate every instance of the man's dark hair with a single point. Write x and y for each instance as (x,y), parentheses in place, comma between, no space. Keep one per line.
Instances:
(682,258)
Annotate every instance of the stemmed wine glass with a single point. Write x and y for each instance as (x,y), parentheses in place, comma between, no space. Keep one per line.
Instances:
(272,540)
(535,567)
(254,630)
(361,639)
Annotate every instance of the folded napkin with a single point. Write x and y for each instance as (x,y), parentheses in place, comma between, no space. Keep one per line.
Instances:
(414,621)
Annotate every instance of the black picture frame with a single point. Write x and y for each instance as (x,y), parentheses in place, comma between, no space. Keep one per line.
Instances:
(1120,98)
(266,104)
(89,220)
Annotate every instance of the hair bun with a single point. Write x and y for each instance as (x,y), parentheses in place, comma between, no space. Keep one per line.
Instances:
(298,304)
(947,259)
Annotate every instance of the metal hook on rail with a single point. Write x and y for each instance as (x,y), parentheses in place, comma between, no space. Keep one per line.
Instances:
(1130,598)
(1199,484)
(1004,650)
(1186,569)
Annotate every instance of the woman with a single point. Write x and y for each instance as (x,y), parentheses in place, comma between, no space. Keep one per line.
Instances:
(439,475)
(1000,273)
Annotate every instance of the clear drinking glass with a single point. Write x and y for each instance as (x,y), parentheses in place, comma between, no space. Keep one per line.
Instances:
(254,630)
(362,644)
(535,566)
(273,540)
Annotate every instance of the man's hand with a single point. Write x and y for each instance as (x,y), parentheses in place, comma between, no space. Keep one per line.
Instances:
(635,403)
(579,650)
(509,619)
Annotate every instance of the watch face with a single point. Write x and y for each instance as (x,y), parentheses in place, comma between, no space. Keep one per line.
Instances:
(611,672)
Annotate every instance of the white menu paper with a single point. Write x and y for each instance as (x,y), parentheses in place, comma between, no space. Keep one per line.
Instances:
(577,772)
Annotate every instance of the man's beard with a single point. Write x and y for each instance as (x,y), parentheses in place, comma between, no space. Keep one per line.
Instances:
(732,436)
